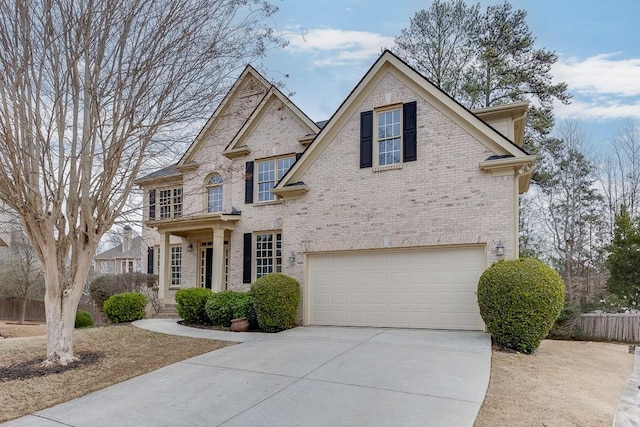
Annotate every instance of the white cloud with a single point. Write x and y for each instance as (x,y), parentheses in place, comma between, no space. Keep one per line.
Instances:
(600,74)
(604,86)
(332,47)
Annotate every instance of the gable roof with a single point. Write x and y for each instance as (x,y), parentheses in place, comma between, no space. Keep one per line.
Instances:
(117,253)
(237,87)
(389,62)
(261,110)
(161,174)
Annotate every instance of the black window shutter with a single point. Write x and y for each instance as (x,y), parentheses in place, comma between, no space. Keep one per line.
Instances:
(298,155)
(152,204)
(246,258)
(248,183)
(150,261)
(410,149)
(366,139)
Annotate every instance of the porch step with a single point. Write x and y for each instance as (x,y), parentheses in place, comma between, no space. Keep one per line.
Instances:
(166,312)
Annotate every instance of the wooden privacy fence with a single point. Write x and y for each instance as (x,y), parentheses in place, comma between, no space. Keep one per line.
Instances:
(623,327)
(10,310)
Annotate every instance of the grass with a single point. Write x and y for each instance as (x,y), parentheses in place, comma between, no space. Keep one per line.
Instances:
(123,352)
(565,383)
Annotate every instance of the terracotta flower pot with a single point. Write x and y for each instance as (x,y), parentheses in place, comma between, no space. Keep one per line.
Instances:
(241,324)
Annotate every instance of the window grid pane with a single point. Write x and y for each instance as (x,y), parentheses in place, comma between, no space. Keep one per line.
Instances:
(215,199)
(164,202)
(176,265)
(269,173)
(177,202)
(389,137)
(214,194)
(170,202)
(264,254)
(266,180)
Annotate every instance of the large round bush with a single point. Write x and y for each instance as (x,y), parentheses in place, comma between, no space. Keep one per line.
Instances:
(83,319)
(190,303)
(125,307)
(276,297)
(519,301)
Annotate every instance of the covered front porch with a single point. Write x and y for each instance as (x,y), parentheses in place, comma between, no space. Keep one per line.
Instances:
(206,240)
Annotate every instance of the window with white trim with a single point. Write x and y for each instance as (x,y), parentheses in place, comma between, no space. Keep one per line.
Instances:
(176,265)
(127,266)
(214,193)
(269,173)
(268,251)
(108,266)
(388,146)
(170,202)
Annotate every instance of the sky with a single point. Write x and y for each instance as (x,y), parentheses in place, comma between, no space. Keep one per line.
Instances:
(597,43)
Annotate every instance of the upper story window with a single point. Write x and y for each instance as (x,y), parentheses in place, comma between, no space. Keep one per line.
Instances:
(214,193)
(270,171)
(170,202)
(389,137)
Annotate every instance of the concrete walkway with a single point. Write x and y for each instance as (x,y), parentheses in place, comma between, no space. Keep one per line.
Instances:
(307,376)
(628,413)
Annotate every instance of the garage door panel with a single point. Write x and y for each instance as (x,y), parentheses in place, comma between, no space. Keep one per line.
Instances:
(418,288)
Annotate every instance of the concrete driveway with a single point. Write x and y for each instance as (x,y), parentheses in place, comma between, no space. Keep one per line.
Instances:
(313,376)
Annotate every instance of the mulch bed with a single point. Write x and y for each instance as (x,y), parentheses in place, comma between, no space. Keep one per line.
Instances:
(33,368)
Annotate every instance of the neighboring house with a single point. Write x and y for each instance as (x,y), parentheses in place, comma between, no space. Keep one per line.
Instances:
(9,228)
(124,258)
(387,215)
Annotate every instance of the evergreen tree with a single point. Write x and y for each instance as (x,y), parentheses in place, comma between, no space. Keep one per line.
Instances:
(624,259)
(484,59)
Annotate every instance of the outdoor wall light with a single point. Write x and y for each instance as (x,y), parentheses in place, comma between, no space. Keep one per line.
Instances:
(500,248)
(190,247)
(292,257)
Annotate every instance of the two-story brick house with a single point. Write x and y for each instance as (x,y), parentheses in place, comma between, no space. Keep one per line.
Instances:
(387,214)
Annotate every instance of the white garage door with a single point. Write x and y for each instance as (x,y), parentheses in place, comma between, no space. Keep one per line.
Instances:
(417,288)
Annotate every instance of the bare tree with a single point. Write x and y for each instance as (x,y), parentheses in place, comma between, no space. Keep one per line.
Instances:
(89,90)
(438,43)
(620,178)
(572,214)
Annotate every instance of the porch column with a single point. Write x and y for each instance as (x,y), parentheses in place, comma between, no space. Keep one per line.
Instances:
(217,281)
(164,275)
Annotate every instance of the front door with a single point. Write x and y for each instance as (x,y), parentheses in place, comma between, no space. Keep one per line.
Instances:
(206,264)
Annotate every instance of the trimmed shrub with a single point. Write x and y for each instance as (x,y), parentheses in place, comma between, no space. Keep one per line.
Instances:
(276,297)
(519,301)
(125,307)
(223,306)
(103,287)
(190,304)
(83,319)
(219,308)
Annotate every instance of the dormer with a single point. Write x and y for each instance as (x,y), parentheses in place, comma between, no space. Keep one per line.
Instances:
(508,119)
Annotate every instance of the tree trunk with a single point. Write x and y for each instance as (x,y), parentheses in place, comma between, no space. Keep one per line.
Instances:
(23,309)
(61,303)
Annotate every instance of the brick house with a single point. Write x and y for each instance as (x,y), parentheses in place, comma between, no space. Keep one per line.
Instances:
(123,258)
(387,213)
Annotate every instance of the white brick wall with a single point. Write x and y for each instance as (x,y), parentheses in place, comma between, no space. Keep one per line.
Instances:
(441,199)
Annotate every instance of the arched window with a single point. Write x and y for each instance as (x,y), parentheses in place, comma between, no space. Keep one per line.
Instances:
(214,192)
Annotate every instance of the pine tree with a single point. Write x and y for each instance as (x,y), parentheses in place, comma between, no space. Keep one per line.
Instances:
(624,259)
